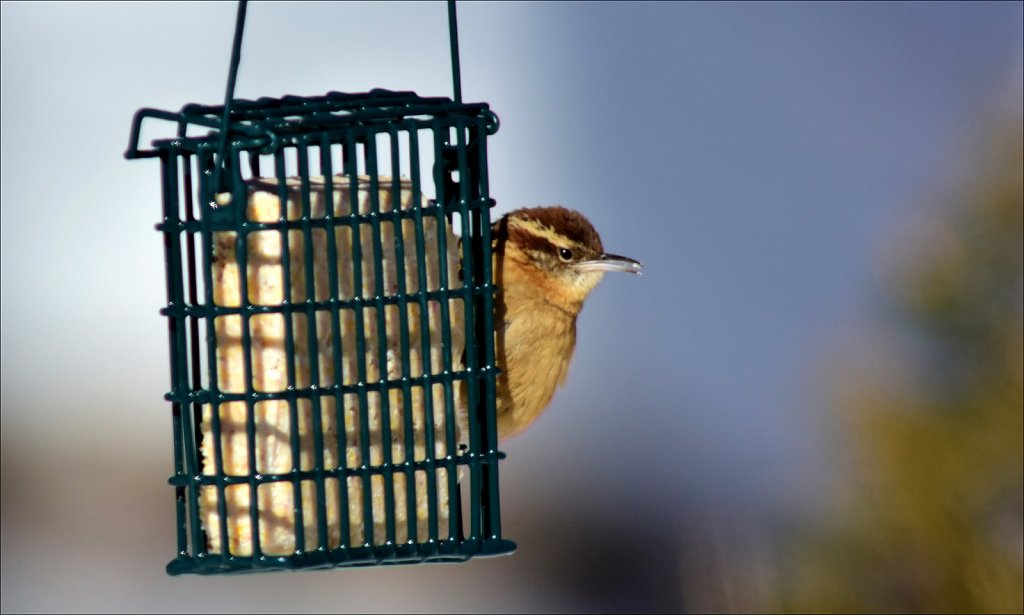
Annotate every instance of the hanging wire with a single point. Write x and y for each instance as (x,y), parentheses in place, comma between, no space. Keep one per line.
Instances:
(453,36)
(236,47)
(229,95)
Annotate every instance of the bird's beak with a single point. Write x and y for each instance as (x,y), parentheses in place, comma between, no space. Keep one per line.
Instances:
(611,262)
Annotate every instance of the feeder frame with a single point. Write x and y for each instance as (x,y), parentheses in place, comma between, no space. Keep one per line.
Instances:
(270,127)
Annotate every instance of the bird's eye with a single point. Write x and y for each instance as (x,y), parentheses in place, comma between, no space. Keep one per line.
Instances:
(565,254)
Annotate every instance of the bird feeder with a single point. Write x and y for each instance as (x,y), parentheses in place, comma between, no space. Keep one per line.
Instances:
(330,323)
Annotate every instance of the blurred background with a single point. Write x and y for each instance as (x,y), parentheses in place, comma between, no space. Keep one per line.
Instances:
(810,401)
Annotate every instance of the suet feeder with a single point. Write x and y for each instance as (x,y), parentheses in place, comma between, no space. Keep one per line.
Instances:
(330,328)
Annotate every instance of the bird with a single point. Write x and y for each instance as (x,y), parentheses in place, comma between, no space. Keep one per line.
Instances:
(546,261)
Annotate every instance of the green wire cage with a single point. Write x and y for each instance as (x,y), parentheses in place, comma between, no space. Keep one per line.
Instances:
(330,328)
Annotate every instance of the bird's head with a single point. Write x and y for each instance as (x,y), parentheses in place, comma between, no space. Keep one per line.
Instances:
(558,250)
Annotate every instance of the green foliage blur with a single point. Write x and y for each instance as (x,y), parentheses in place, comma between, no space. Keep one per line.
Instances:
(928,515)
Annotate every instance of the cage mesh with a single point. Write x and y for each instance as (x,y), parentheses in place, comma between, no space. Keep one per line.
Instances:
(331,331)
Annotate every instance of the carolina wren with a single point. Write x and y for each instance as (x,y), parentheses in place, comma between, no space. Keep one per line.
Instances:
(546,262)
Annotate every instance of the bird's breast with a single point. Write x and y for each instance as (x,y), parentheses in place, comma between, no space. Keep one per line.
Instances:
(535,344)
